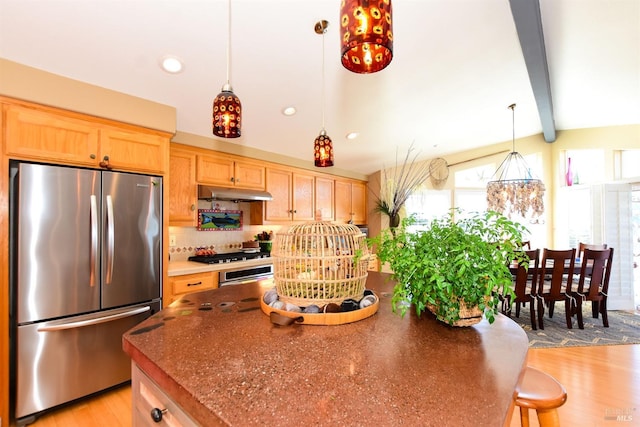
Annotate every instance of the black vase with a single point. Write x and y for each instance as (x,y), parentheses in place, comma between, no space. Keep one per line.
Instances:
(394,220)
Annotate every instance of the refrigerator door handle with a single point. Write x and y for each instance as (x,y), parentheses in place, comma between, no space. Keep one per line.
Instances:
(110,239)
(94,241)
(97,321)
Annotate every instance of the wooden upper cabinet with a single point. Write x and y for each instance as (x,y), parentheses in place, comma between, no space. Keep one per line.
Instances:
(58,136)
(343,201)
(325,198)
(216,170)
(279,184)
(351,201)
(359,202)
(36,134)
(293,197)
(249,175)
(134,151)
(183,190)
(229,172)
(303,197)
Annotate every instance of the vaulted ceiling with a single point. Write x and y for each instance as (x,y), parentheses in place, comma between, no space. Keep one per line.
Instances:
(457,66)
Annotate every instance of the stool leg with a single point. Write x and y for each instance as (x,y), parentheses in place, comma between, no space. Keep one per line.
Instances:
(548,417)
(524,417)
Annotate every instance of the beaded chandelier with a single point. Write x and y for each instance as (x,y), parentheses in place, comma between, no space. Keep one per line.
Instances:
(516,190)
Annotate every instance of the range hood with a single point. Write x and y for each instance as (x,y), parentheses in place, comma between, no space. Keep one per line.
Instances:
(233,194)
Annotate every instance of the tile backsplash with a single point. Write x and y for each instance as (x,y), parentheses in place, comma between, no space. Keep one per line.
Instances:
(188,239)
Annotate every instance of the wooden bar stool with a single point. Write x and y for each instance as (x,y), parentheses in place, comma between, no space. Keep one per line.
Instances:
(540,391)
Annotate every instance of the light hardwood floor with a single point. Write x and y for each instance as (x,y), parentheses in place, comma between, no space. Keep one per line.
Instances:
(600,381)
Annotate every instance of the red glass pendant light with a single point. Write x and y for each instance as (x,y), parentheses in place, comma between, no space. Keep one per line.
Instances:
(227,113)
(322,146)
(366,34)
(323,150)
(227,110)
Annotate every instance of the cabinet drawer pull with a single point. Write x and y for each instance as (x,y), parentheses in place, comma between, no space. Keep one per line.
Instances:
(194,284)
(156,414)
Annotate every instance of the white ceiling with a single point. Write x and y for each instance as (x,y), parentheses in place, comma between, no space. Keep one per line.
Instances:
(457,66)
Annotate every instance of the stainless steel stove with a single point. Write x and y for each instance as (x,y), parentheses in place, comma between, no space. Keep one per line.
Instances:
(239,275)
(229,257)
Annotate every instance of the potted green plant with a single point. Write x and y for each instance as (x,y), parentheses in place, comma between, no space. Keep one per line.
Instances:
(452,266)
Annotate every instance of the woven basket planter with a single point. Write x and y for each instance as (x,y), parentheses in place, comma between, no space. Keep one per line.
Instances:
(320,263)
(469,316)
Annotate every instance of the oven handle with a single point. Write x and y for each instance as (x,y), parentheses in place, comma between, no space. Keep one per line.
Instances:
(246,280)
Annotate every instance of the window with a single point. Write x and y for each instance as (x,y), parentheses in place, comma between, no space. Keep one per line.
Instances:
(629,161)
(428,204)
(471,200)
(477,177)
(583,167)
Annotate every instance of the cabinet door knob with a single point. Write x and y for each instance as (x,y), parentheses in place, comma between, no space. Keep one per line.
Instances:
(92,156)
(156,414)
(233,179)
(193,207)
(105,163)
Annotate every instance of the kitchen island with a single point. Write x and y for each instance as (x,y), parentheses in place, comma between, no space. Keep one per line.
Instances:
(219,358)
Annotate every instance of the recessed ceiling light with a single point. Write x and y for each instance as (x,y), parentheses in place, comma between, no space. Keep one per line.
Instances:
(352,135)
(171,64)
(289,111)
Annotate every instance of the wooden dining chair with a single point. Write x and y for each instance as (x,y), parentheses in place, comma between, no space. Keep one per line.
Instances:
(583,246)
(525,287)
(525,245)
(593,284)
(554,282)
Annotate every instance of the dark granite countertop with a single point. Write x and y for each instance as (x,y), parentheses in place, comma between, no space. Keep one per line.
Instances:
(231,366)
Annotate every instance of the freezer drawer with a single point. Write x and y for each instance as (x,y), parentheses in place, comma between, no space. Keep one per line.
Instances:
(63,360)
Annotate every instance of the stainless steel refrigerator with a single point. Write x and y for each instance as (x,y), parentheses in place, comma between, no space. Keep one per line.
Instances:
(86,266)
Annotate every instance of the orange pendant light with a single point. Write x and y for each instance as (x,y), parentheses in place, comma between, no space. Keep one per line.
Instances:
(366,34)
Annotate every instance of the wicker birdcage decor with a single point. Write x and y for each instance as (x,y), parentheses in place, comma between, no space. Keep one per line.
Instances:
(320,263)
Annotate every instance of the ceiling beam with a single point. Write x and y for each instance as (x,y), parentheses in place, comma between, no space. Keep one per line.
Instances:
(526,15)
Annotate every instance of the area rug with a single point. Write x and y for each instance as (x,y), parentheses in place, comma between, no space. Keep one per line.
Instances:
(624,328)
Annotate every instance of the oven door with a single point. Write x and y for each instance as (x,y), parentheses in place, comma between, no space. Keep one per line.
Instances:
(245,275)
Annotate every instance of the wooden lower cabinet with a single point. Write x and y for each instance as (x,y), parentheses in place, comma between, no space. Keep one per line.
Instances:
(147,396)
(188,283)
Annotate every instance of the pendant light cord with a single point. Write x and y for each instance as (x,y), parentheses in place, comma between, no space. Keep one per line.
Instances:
(513,127)
(324,31)
(229,42)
